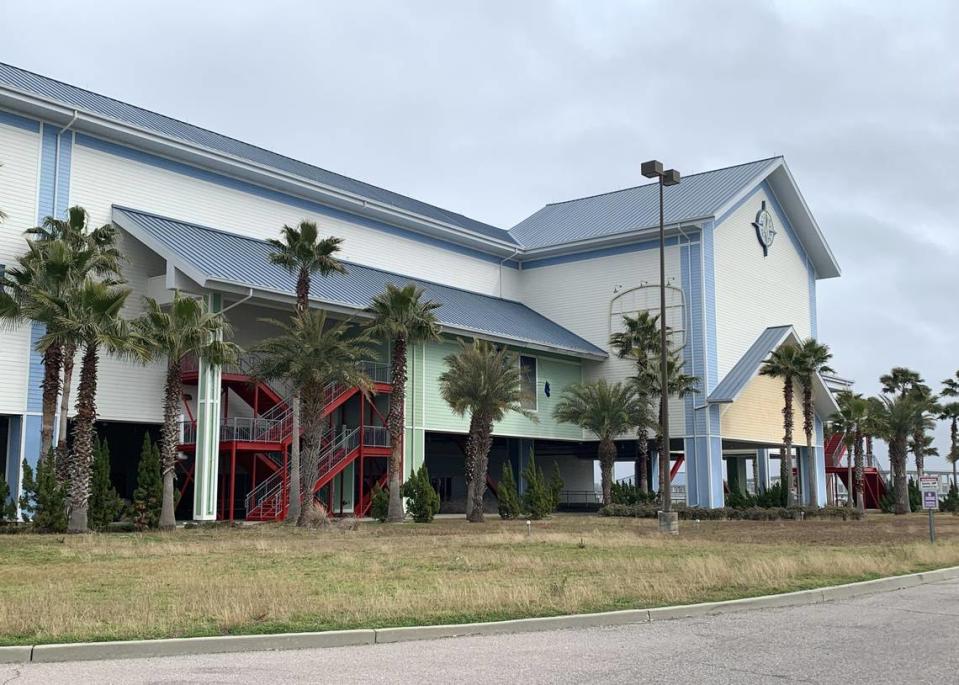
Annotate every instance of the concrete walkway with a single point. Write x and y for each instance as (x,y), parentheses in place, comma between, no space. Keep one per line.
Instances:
(905,636)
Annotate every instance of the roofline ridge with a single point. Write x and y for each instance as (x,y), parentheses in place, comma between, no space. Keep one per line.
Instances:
(231,138)
(643,185)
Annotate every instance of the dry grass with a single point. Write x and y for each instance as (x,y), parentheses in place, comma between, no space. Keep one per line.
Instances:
(272,578)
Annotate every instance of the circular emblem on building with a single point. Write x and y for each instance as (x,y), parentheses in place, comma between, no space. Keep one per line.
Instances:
(765,228)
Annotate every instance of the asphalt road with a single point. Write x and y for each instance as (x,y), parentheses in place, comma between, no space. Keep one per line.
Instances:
(906,636)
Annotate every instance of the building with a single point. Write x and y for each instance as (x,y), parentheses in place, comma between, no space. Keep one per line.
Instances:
(194,208)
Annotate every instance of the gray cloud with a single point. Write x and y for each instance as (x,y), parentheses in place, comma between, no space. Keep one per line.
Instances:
(495,108)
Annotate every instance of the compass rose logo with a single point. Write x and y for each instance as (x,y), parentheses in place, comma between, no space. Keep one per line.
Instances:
(765,228)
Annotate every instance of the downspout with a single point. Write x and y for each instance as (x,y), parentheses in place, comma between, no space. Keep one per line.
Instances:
(56,163)
(248,297)
(502,262)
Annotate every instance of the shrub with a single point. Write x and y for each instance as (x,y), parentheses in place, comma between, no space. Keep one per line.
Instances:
(538,499)
(422,502)
(740,500)
(556,486)
(105,504)
(626,493)
(44,500)
(380,503)
(773,496)
(148,497)
(507,496)
(8,508)
(951,501)
(888,502)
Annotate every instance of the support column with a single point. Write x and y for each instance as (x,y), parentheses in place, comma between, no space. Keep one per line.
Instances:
(704,472)
(207,432)
(762,465)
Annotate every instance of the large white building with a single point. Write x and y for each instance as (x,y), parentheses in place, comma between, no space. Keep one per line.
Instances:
(194,208)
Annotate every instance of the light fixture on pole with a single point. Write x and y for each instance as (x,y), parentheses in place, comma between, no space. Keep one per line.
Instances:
(668,519)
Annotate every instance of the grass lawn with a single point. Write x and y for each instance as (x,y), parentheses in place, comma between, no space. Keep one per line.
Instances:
(271,578)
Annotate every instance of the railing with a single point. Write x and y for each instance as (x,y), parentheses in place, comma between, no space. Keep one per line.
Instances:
(376,436)
(238,429)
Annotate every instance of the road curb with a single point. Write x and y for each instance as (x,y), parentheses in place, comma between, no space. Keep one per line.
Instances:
(87,651)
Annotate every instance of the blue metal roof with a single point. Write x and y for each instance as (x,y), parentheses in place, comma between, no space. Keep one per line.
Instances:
(697,197)
(215,255)
(748,365)
(87,101)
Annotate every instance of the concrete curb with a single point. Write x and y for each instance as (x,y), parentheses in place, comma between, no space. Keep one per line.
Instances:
(86,651)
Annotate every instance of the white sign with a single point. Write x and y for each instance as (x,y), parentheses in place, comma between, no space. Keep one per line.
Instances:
(929,483)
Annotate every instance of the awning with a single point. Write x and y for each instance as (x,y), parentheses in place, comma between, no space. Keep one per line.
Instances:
(213,258)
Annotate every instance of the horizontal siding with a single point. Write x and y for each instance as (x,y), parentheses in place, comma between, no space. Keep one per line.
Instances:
(109,179)
(578,295)
(757,414)
(559,373)
(754,292)
(19,157)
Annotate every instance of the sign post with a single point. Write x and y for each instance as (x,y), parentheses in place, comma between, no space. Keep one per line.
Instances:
(929,485)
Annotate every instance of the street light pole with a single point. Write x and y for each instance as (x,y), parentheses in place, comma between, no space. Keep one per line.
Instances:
(670,177)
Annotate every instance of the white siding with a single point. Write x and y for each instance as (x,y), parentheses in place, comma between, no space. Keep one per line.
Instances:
(754,292)
(19,155)
(577,295)
(100,179)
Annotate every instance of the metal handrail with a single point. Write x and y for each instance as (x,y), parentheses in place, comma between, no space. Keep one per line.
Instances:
(376,436)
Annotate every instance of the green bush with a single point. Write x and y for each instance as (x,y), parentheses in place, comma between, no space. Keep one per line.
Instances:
(380,503)
(951,501)
(538,499)
(422,502)
(105,503)
(148,497)
(740,500)
(888,502)
(556,486)
(506,494)
(626,493)
(44,500)
(773,496)
(8,508)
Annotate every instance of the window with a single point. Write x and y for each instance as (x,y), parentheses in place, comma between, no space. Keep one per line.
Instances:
(527,382)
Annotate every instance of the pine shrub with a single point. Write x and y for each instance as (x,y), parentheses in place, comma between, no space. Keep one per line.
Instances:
(556,486)
(951,501)
(627,493)
(538,498)
(380,503)
(44,500)
(422,502)
(105,503)
(773,496)
(148,497)
(507,495)
(8,507)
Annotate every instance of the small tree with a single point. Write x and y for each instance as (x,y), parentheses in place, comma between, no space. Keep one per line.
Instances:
(105,503)
(44,499)
(507,494)
(148,497)
(556,485)
(379,504)
(422,502)
(8,508)
(538,497)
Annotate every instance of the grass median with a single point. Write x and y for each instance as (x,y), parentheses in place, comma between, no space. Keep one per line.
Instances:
(273,578)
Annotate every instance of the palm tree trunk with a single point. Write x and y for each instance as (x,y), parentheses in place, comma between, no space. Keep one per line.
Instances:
(62,467)
(52,363)
(954,482)
(860,485)
(869,454)
(313,433)
(786,462)
(641,476)
(607,457)
(397,425)
(294,496)
(477,454)
(918,438)
(850,478)
(809,425)
(82,458)
(168,442)
(897,455)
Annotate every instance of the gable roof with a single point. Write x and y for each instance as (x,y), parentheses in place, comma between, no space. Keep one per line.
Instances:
(698,196)
(90,102)
(750,363)
(210,257)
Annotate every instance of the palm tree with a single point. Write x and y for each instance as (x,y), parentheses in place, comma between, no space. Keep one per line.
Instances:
(402,316)
(90,314)
(787,364)
(897,418)
(871,427)
(678,384)
(183,329)
(950,412)
(639,342)
(484,382)
(853,410)
(310,355)
(929,409)
(607,411)
(815,360)
(303,253)
(899,380)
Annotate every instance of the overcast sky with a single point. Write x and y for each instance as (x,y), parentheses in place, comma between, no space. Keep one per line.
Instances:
(493,109)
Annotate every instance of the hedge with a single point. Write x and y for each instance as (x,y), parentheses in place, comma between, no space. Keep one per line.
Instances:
(651,511)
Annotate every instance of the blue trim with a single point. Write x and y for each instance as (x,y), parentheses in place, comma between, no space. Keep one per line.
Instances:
(34,390)
(197,173)
(64,164)
(813,315)
(48,163)
(709,307)
(18,121)
(596,254)
(31,447)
